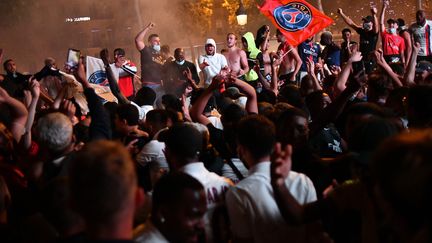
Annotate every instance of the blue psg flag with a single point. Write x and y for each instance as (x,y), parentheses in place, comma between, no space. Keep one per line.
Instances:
(296,19)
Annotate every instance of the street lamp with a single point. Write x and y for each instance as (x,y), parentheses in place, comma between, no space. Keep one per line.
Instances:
(241,14)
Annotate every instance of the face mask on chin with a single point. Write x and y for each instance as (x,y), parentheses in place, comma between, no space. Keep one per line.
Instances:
(180,62)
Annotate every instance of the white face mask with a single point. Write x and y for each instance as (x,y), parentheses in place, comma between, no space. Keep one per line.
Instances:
(392,30)
(156,48)
(180,62)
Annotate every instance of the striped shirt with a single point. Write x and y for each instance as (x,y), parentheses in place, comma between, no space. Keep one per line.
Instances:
(422,34)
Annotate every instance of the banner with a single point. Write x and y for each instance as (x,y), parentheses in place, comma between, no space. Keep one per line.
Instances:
(97,78)
(296,19)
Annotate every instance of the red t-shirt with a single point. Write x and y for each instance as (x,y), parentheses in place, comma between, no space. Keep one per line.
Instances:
(125,83)
(392,44)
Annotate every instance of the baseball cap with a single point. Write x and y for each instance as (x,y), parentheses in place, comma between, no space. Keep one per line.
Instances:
(368,18)
(233,93)
(424,66)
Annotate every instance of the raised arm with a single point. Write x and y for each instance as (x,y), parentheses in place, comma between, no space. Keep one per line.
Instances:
(348,20)
(192,78)
(311,72)
(340,83)
(249,91)
(196,112)
(333,110)
(410,71)
(35,92)
(115,90)
(382,16)
(374,12)
(139,39)
(19,114)
(100,126)
(379,57)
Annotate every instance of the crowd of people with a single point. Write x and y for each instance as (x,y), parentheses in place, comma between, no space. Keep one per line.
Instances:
(320,142)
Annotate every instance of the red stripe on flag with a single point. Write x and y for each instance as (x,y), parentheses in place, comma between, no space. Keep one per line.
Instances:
(296,19)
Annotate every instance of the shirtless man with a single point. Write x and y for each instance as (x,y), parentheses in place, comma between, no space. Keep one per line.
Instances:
(236,57)
(267,74)
(291,62)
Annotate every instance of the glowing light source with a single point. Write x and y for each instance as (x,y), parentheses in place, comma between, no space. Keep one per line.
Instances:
(241,15)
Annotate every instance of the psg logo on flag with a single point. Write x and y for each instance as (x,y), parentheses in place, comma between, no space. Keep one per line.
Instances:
(293,16)
(98,77)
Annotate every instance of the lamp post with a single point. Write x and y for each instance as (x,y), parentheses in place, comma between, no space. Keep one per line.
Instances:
(241,16)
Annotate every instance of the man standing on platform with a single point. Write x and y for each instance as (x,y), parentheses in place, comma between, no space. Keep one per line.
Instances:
(151,60)
(236,57)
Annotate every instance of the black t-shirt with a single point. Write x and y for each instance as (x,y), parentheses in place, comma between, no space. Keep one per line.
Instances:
(174,71)
(151,65)
(327,142)
(368,41)
(174,80)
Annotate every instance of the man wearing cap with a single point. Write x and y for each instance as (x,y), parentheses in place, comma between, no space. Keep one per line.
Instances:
(392,44)
(422,31)
(368,35)
(211,63)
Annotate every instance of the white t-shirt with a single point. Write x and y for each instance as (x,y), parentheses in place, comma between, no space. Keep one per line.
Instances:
(216,122)
(119,72)
(422,34)
(143,110)
(228,172)
(216,63)
(254,213)
(215,187)
(152,152)
(150,234)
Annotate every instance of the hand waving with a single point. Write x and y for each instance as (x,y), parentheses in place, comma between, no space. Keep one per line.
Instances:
(280,164)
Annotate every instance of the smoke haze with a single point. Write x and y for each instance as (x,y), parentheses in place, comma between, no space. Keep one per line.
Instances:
(32,30)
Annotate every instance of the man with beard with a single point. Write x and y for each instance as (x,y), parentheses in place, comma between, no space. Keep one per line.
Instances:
(178,73)
(422,31)
(211,63)
(151,59)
